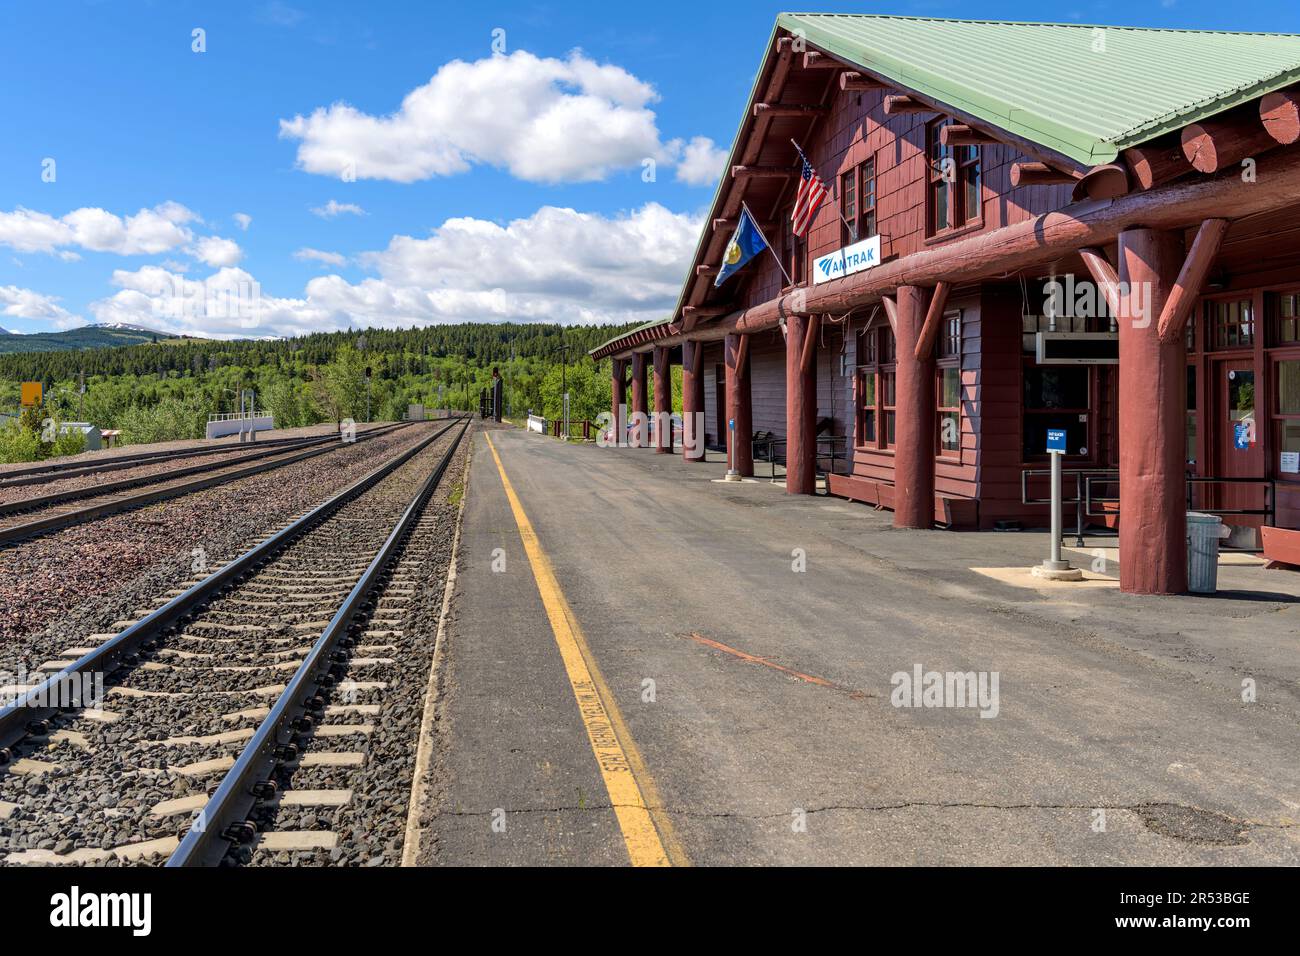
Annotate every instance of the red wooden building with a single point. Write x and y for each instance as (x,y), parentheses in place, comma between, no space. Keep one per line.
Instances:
(1088,228)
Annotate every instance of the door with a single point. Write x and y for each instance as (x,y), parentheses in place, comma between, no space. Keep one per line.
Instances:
(1238,440)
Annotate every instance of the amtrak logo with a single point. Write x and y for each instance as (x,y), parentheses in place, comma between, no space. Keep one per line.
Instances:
(855,258)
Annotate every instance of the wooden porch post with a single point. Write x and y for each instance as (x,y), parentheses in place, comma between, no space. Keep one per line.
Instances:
(914,423)
(617,397)
(692,401)
(1152,419)
(663,382)
(640,401)
(740,454)
(800,406)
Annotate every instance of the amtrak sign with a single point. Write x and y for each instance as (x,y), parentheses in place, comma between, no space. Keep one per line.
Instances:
(855,258)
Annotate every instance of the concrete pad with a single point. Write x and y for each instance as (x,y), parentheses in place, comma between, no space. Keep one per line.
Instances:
(1025,578)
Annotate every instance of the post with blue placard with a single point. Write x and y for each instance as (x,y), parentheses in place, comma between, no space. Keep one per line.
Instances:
(1055,568)
(732,474)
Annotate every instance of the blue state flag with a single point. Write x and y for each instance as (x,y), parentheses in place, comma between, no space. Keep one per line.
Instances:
(746,242)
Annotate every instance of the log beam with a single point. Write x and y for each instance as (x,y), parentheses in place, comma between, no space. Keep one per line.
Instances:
(663,386)
(891,312)
(812,60)
(959,134)
(1103,273)
(1279,111)
(808,357)
(899,103)
(729,225)
(617,401)
(1215,144)
(692,401)
(933,320)
(745,173)
(1038,174)
(740,446)
(786,109)
(800,411)
(1152,420)
(706,270)
(1183,295)
(640,402)
(914,428)
(853,82)
(1153,166)
(1109,181)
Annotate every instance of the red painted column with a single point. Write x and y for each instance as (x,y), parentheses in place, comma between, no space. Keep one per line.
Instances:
(914,421)
(617,397)
(1152,419)
(693,401)
(640,401)
(663,382)
(800,411)
(740,455)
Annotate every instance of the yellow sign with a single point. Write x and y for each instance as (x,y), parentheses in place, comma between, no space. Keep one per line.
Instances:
(31,394)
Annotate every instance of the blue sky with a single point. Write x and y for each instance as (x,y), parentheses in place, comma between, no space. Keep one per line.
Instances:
(460,216)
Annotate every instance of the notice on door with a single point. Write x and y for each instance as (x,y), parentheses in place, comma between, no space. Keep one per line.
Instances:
(1290,463)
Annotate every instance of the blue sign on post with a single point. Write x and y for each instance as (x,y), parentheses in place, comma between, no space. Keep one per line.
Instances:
(1056,440)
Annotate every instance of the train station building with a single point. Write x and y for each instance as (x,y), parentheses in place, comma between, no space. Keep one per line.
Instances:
(1027,227)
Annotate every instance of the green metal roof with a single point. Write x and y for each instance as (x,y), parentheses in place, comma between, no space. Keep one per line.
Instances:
(622,335)
(1085,91)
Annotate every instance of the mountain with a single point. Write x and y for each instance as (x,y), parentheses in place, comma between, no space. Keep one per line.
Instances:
(85,337)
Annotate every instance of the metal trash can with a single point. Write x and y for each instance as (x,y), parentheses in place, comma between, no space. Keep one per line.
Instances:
(1203,534)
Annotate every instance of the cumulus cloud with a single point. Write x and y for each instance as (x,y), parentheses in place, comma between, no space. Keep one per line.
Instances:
(701,162)
(543,119)
(558,265)
(243,219)
(316,255)
(148,232)
(26,304)
(216,252)
(334,209)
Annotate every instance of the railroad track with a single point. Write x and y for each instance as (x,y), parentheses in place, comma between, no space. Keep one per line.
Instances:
(37,515)
(60,470)
(249,657)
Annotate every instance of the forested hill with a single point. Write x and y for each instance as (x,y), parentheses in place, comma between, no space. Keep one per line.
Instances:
(477,343)
(86,337)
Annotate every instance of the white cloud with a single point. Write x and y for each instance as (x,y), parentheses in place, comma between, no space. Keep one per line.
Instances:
(334,209)
(26,304)
(243,219)
(543,119)
(557,265)
(148,232)
(216,252)
(701,162)
(316,255)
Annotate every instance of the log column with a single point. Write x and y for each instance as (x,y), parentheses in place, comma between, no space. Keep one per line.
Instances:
(914,422)
(693,401)
(1152,419)
(617,398)
(800,408)
(640,401)
(740,448)
(663,382)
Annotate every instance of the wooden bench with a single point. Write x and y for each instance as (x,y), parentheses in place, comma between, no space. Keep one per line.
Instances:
(949,510)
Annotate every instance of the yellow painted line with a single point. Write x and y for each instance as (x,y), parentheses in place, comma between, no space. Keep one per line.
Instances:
(649,836)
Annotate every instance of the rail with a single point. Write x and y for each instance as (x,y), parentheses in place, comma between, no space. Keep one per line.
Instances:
(223,821)
(838,445)
(29,713)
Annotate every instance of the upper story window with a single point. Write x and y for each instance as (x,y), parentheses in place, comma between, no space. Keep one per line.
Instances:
(858,202)
(954,183)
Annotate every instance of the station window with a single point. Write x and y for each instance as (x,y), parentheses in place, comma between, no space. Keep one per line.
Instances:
(1286,415)
(858,203)
(1056,396)
(948,387)
(1286,319)
(955,177)
(1232,323)
(1191,414)
(875,388)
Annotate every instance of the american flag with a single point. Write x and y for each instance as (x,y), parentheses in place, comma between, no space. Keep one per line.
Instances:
(812,193)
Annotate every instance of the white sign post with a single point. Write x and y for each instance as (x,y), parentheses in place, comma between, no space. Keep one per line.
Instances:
(732,474)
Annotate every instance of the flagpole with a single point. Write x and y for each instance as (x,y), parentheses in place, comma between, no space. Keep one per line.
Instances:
(839,205)
(770,248)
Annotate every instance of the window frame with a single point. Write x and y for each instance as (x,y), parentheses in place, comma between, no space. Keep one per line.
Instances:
(881,369)
(949,348)
(956,193)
